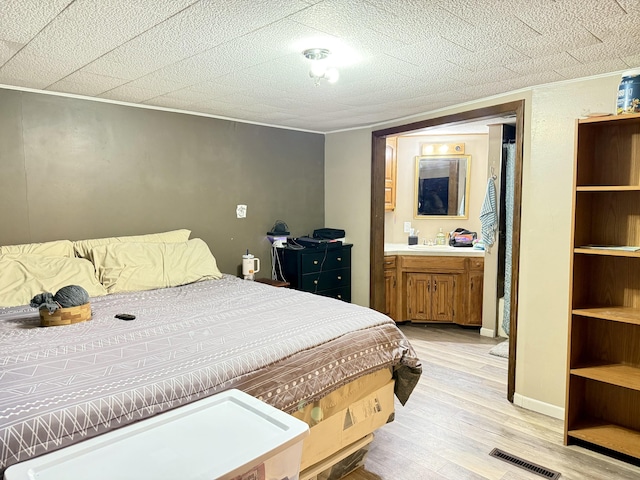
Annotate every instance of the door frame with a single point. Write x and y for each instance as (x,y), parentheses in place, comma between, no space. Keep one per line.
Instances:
(376,271)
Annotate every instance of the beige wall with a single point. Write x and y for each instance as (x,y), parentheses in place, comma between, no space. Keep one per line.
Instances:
(546,232)
(550,114)
(77,169)
(408,149)
(349,174)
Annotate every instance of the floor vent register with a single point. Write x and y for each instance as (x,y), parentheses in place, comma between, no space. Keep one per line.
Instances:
(524,464)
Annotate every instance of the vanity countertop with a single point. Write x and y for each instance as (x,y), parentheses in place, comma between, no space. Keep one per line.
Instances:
(435,250)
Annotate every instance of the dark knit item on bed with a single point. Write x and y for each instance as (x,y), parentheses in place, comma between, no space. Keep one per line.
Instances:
(44,300)
(69,296)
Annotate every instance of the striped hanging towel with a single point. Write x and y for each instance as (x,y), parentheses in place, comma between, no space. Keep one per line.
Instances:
(489,215)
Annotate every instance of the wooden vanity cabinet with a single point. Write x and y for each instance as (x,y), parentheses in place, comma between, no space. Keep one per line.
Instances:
(439,289)
(390,287)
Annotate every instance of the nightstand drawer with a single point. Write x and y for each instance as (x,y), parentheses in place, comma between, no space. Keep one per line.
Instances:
(314,282)
(326,259)
(343,293)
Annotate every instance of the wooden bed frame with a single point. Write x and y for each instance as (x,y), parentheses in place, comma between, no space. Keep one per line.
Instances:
(355,411)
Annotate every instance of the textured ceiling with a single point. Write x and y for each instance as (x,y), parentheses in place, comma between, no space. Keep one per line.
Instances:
(242,59)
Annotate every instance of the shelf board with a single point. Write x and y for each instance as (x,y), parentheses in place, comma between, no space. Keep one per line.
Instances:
(607,435)
(613,373)
(610,118)
(608,188)
(616,314)
(607,253)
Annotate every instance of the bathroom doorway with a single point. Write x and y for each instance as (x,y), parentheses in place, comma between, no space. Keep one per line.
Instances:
(377,299)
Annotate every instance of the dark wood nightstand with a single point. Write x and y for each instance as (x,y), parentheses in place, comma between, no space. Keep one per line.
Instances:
(273,283)
(323,270)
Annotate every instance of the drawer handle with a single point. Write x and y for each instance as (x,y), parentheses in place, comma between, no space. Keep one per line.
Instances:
(315,262)
(339,277)
(339,259)
(388,263)
(315,282)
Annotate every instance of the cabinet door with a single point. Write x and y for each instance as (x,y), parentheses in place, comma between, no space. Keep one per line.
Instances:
(418,296)
(474,304)
(442,297)
(391,152)
(390,295)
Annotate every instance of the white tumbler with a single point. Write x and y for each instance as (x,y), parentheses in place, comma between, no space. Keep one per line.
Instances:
(250,266)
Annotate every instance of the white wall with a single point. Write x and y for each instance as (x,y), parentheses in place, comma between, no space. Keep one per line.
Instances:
(408,148)
(550,113)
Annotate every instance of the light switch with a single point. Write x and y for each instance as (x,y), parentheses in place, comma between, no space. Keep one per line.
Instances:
(407,227)
(241,211)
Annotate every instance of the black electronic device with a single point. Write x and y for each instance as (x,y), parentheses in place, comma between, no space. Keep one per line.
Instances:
(328,233)
(311,242)
(125,316)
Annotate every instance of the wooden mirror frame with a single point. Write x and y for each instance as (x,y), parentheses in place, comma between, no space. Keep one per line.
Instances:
(453,184)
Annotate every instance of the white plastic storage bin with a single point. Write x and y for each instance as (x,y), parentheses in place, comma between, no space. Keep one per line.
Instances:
(229,436)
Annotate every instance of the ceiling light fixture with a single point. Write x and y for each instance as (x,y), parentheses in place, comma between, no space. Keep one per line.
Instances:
(319,65)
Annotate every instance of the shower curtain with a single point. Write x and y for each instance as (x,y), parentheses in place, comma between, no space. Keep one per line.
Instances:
(509,152)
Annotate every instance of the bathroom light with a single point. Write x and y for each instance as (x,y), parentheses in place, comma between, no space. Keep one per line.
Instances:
(320,69)
(442,148)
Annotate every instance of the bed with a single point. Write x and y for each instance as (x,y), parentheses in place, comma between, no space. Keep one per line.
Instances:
(293,350)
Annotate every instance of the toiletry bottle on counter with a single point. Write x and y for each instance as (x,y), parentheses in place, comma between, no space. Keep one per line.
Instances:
(413,238)
(441,238)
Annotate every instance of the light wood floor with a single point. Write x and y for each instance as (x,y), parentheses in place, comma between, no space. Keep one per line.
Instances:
(459,412)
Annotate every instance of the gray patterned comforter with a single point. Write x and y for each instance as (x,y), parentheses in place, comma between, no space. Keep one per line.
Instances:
(61,385)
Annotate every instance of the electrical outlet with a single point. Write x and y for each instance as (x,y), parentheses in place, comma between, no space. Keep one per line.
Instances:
(407,227)
(241,211)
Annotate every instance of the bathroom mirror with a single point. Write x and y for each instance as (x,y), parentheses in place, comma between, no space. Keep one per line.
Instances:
(442,186)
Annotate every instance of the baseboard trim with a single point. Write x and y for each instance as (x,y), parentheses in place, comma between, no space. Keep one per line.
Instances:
(487,332)
(538,406)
